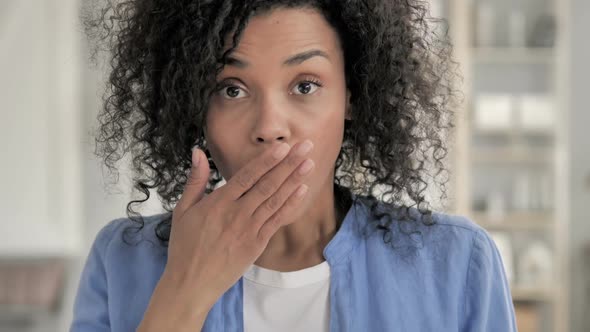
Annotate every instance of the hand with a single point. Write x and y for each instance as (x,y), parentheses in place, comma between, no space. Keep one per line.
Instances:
(215,238)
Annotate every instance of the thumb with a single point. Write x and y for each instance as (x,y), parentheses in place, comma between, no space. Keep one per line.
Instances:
(196,184)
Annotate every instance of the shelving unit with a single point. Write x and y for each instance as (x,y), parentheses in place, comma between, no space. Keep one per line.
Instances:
(512,55)
(516,221)
(506,162)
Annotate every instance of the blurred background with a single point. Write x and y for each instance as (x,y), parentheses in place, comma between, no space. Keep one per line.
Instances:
(520,154)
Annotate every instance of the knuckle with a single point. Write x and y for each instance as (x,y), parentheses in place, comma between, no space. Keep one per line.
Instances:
(275,221)
(245,179)
(251,241)
(268,162)
(265,188)
(262,236)
(273,203)
(291,202)
(267,231)
(293,161)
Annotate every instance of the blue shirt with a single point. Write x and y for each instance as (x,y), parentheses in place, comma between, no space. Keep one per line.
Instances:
(445,277)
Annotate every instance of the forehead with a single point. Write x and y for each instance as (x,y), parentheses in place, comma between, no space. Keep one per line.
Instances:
(281,32)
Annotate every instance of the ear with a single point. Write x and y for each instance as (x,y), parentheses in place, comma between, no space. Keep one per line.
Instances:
(348,115)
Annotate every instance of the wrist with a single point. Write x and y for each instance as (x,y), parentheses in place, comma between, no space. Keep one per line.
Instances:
(172,308)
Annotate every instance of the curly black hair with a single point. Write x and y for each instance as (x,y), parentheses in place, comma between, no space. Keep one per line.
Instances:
(165,56)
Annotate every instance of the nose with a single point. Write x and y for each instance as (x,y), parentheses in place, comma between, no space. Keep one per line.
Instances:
(270,123)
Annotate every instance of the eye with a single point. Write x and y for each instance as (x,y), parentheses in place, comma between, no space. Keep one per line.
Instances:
(230,91)
(307,87)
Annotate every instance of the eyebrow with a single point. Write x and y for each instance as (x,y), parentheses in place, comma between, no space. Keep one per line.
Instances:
(291,61)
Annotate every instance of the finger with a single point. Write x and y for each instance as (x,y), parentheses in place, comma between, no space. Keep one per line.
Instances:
(270,183)
(248,175)
(283,216)
(196,183)
(270,206)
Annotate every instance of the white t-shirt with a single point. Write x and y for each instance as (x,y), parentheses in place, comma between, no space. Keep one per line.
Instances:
(287,301)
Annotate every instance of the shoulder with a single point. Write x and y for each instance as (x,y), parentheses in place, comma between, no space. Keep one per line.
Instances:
(446,231)
(453,256)
(452,244)
(121,271)
(114,231)
(459,227)
(458,235)
(487,301)
(477,241)
(126,241)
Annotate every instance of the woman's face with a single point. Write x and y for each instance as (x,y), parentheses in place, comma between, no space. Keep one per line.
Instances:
(285,82)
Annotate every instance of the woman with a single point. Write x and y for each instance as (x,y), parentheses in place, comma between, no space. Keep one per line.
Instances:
(325,119)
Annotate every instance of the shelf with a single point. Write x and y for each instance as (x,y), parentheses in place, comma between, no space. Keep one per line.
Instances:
(508,155)
(515,135)
(509,55)
(512,132)
(520,294)
(516,221)
(11,312)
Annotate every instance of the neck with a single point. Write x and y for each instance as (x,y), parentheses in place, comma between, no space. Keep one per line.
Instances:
(301,244)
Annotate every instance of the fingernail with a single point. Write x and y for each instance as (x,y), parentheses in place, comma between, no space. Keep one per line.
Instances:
(301,191)
(306,167)
(304,148)
(195,157)
(281,150)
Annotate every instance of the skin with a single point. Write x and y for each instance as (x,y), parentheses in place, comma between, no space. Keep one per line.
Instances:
(264,102)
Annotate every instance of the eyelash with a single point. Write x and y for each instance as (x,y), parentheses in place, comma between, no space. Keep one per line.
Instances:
(313,80)
(227,84)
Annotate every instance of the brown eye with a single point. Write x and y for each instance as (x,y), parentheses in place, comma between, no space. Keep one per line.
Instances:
(230,92)
(306,88)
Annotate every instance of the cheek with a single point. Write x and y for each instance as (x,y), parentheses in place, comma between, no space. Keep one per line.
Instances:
(327,138)
(220,145)
(326,130)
